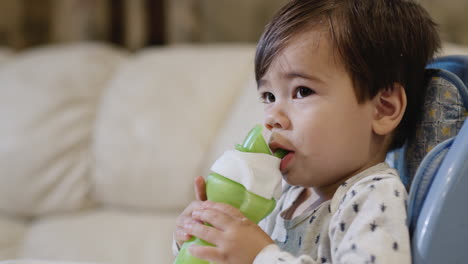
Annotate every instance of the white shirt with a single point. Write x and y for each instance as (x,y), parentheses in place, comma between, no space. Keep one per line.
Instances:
(364,222)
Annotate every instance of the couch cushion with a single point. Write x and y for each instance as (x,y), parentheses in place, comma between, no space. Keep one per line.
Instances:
(47,110)
(159,117)
(12,232)
(5,55)
(103,236)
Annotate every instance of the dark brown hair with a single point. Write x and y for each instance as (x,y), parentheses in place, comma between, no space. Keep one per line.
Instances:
(379,42)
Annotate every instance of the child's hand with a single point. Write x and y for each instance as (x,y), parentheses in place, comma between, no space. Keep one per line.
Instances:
(180,235)
(238,240)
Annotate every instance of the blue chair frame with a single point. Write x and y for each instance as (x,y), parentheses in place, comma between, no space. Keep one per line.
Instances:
(439,222)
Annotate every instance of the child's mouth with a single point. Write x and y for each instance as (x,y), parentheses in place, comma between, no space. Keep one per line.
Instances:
(286,160)
(286,156)
(280,153)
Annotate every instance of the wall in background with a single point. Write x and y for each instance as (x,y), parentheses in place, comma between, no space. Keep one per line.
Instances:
(134,24)
(452,17)
(244,20)
(129,23)
(218,20)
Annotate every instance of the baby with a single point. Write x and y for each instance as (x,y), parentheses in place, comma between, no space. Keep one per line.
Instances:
(342,82)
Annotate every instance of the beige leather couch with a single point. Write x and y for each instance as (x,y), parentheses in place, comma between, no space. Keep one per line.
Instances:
(99,147)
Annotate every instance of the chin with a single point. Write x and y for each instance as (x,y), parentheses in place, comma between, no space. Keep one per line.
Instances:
(287,178)
(291,180)
(296,179)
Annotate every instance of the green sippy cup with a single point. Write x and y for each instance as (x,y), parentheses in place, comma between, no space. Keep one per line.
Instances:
(223,190)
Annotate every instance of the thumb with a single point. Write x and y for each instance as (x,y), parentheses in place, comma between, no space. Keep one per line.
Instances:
(200,188)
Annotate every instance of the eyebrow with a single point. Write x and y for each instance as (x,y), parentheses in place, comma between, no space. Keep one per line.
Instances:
(298,74)
(293,75)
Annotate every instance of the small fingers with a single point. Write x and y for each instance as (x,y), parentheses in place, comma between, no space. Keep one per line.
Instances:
(207,233)
(187,213)
(180,236)
(200,188)
(218,219)
(222,207)
(211,254)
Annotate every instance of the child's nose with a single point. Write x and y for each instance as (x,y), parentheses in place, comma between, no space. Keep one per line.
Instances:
(276,118)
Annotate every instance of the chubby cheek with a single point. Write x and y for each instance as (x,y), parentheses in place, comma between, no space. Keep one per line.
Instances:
(314,158)
(316,137)
(328,150)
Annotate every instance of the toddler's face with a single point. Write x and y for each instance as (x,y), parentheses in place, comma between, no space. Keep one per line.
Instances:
(311,110)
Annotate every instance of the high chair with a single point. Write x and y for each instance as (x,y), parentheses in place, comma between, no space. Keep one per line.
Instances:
(434,166)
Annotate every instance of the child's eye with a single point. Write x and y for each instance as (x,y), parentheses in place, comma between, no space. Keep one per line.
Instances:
(267,98)
(302,92)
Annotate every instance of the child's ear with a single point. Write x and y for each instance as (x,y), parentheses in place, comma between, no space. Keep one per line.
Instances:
(390,105)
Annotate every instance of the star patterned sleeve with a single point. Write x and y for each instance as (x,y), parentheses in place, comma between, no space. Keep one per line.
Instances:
(272,254)
(369,223)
